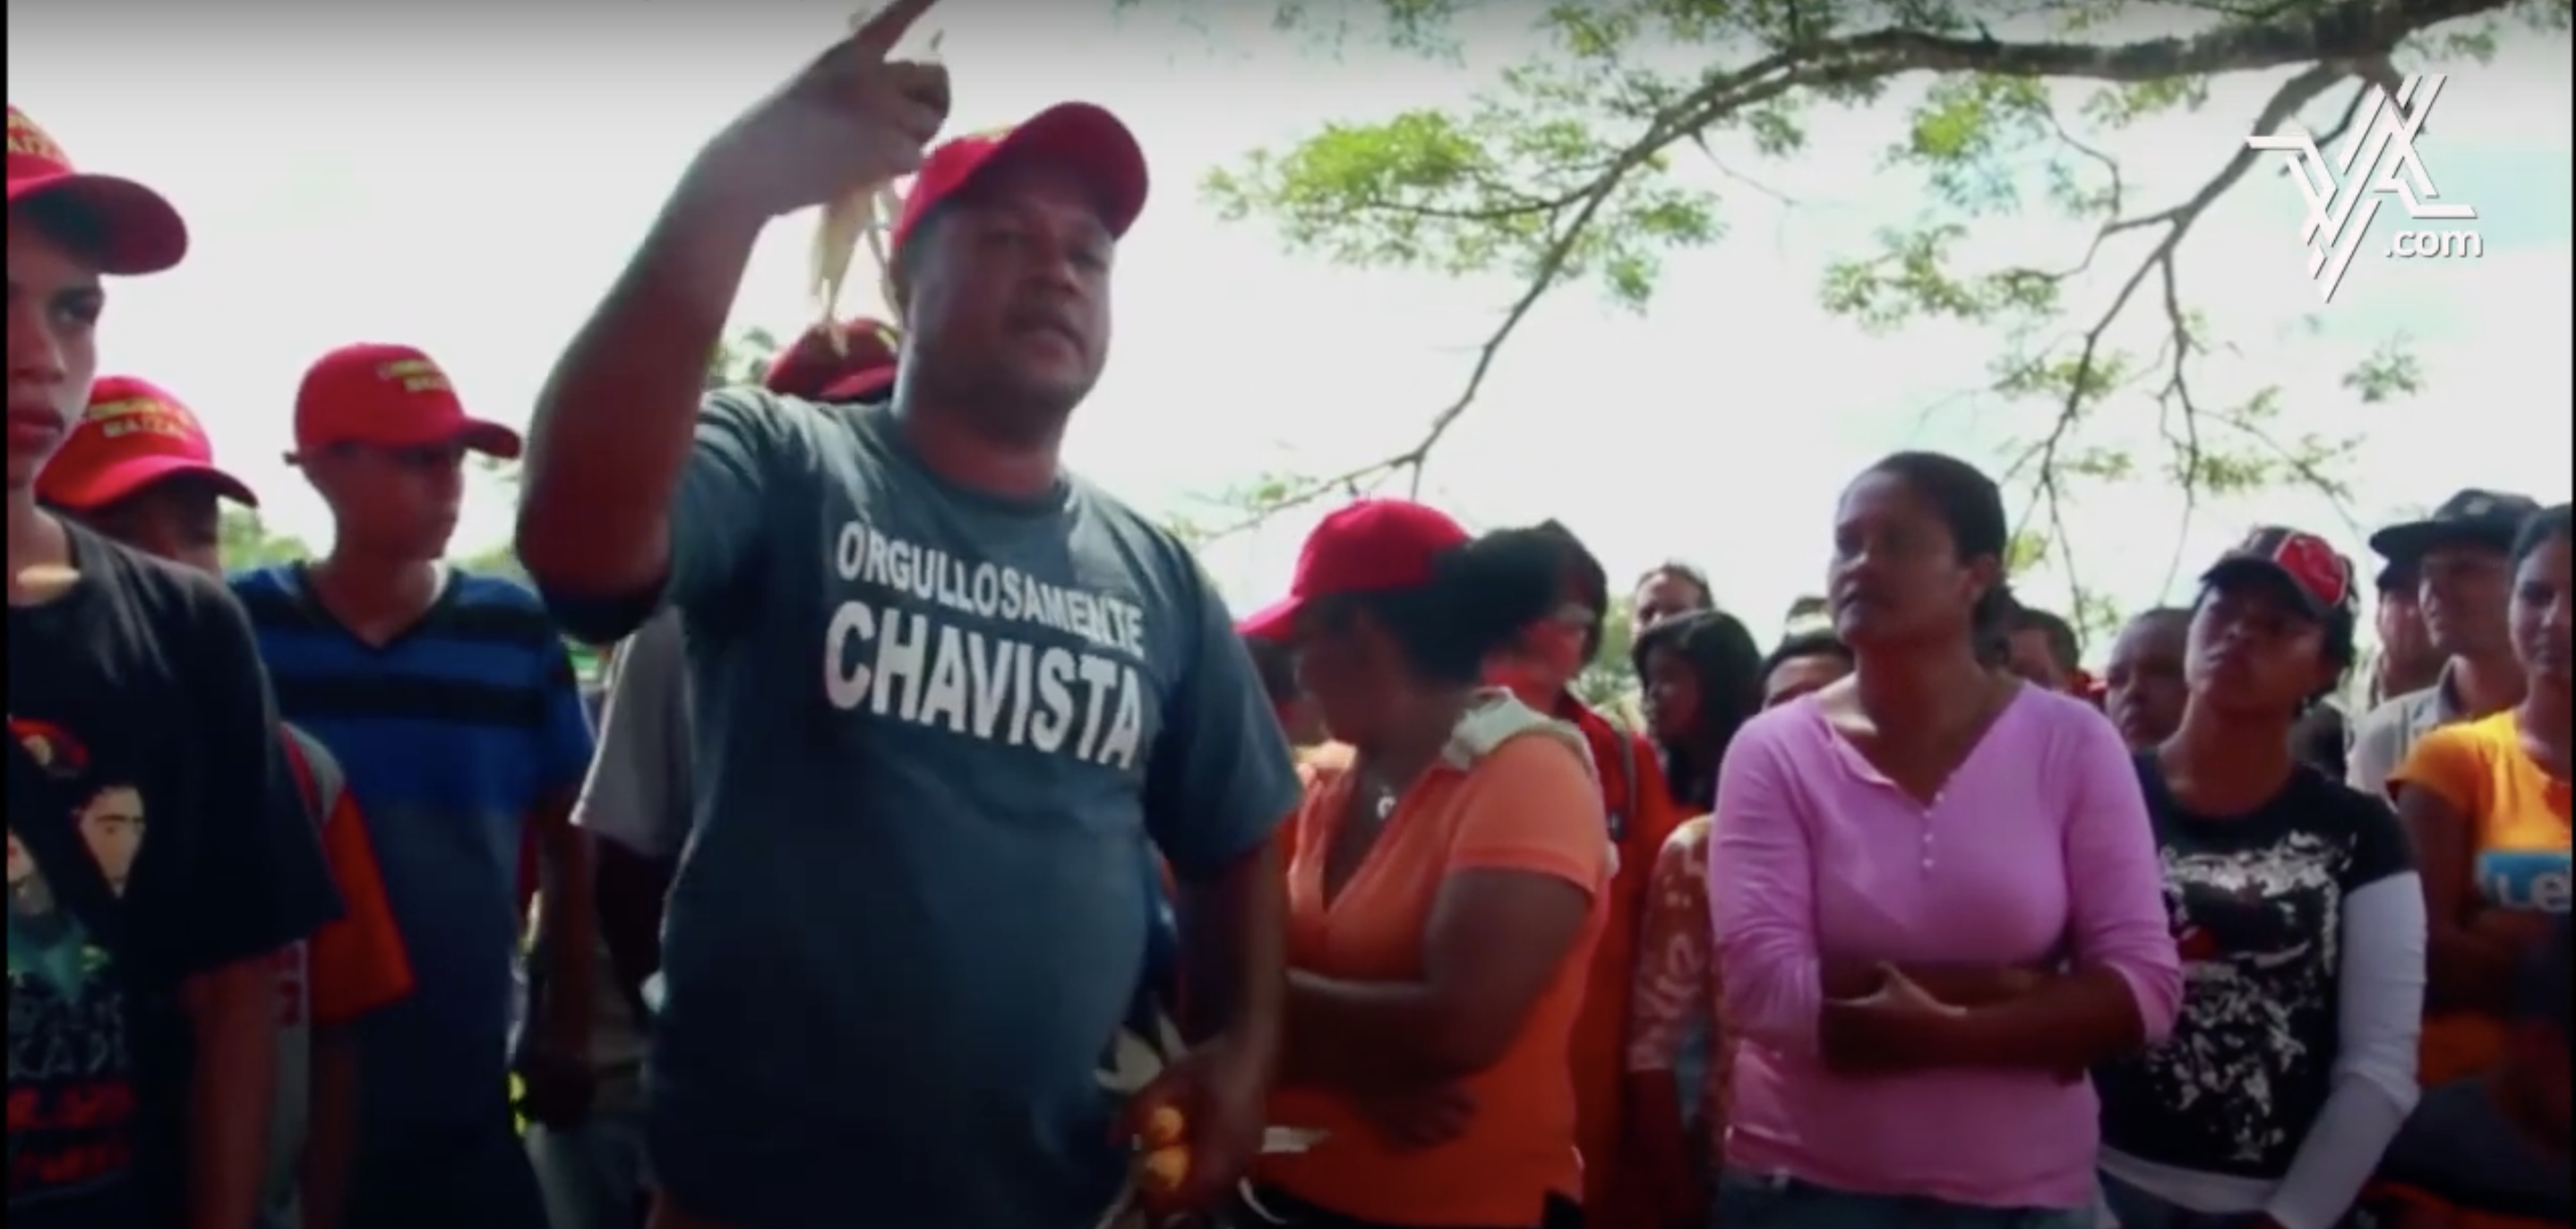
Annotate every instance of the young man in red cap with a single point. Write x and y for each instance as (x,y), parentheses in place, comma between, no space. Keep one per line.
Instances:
(159,854)
(911,920)
(140,470)
(452,704)
(1642,815)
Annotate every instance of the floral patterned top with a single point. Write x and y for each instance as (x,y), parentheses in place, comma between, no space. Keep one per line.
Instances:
(1676,995)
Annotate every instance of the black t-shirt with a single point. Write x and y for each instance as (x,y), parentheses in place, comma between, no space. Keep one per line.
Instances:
(154,834)
(2257,903)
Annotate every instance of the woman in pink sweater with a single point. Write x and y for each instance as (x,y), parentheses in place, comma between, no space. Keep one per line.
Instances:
(1937,901)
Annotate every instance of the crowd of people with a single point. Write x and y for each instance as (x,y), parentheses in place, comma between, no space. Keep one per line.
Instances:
(1060,896)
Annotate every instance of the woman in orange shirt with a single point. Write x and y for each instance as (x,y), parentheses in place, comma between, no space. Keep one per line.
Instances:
(1445,892)
(2487,804)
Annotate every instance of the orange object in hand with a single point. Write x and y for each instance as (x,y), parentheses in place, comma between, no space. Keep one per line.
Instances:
(1167,1159)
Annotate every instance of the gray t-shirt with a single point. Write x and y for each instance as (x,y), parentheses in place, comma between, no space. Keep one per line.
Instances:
(638,792)
(2388,734)
(934,732)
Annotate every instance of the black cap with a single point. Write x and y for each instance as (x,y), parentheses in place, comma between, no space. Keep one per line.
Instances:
(2318,575)
(2400,577)
(2475,517)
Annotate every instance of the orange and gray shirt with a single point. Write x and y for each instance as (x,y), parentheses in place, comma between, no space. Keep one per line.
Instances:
(349,967)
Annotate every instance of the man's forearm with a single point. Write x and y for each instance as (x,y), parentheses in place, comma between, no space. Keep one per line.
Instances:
(568,920)
(615,423)
(1234,951)
(233,1093)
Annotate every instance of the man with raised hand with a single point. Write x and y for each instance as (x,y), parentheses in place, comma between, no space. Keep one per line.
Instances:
(909,922)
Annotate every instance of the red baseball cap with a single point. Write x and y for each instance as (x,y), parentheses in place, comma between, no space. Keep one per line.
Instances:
(1370,546)
(810,369)
(392,397)
(2319,576)
(139,231)
(134,434)
(1080,136)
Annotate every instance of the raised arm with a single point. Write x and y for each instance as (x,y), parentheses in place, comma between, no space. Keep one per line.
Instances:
(613,426)
(616,421)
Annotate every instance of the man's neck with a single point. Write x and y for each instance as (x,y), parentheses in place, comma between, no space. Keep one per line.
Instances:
(950,441)
(2485,685)
(369,589)
(2218,764)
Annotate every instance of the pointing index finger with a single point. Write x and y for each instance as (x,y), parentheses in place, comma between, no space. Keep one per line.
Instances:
(880,31)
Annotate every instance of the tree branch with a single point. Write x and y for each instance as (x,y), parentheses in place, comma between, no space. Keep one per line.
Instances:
(2335,43)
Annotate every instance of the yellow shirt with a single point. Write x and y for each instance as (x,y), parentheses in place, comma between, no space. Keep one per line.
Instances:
(2518,819)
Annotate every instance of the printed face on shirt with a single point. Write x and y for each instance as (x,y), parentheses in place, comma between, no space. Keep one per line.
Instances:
(1011,291)
(2465,591)
(1897,575)
(400,502)
(2145,684)
(54,305)
(2253,650)
(2541,614)
(111,824)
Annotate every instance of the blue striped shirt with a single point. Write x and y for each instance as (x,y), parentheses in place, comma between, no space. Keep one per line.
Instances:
(451,736)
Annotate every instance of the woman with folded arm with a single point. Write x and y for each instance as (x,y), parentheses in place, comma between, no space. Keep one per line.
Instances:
(1936,901)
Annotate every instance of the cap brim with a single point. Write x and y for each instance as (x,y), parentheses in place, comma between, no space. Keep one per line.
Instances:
(1276,622)
(491,439)
(2413,540)
(865,386)
(473,435)
(1089,141)
(139,231)
(119,481)
(2253,567)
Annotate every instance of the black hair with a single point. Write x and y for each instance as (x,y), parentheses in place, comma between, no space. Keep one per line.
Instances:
(1971,507)
(1481,597)
(1276,663)
(2063,644)
(1721,656)
(2159,614)
(1579,572)
(2544,986)
(1683,572)
(2550,524)
(1805,645)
